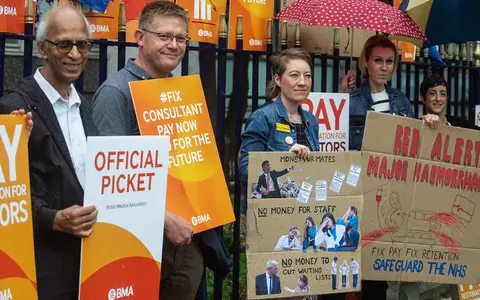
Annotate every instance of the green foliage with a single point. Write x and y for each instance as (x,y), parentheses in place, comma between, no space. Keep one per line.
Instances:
(228,282)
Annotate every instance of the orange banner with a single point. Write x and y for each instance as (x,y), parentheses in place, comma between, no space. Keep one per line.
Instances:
(255,16)
(204,18)
(105,26)
(17,263)
(12,16)
(196,188)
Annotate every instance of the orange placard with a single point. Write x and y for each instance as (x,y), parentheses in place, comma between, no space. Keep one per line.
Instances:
(196,188)
(17,263)
(12,16)
(255,16)
(468,291)
(204,18)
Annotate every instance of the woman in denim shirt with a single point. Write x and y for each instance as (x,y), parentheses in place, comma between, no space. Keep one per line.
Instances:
(283,125)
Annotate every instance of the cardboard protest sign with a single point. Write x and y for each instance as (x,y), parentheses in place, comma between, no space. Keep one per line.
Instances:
(126,180)
(196,185)
(303,224)
(204,18)
(319,39)
(254,23)
(332,112)
(421,188)
(12,16)
(17,260)
(468,291)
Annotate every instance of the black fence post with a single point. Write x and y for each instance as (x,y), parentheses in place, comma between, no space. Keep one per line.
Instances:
(240,88)
(416,85)
(268,66)
(220,120)
(102,62)
(185,63)
(28,42)
(122,37)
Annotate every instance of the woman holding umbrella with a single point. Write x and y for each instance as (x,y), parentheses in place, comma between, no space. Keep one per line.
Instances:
(378,63)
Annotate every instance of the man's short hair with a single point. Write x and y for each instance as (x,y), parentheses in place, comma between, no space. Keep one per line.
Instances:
(271,263)
(44,24)
(293,227)
(160,8)
(348,228)
(431,82)
(264,163)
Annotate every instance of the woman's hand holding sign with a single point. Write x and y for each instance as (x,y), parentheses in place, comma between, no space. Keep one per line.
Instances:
(301,151)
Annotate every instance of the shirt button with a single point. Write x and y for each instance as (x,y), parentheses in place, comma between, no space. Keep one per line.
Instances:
(358,131)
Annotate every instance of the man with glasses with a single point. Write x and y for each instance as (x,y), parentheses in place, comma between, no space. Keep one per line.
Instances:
(162,38)
(57,148)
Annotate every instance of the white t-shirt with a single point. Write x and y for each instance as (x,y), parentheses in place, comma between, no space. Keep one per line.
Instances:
(284,243)
(354,267)
(381,102)
(334,268)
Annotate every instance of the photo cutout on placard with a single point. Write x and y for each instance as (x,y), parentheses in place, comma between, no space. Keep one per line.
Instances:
(274,183)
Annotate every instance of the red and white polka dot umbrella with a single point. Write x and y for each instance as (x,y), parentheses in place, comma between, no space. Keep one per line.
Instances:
(361,14)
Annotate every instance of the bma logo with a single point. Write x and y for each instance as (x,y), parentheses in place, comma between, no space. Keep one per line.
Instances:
(6,295)
(120,293)
(202,10)
(201,219)
(253,42)
(99,28)
(8,10)
(204,32)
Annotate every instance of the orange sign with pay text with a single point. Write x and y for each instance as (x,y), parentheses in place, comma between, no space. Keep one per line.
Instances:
(17,262)
(196,187)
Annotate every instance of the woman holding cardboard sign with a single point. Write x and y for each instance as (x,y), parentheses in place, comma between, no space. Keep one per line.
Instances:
(283,125)
(377,62)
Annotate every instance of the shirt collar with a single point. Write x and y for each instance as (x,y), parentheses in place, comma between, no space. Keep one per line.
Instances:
(52,94)
(138,71)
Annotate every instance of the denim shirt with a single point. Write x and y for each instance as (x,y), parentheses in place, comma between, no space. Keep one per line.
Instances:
(261,132)
(361,101)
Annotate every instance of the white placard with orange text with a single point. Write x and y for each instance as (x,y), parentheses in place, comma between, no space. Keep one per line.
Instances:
(126,179)
(332,111)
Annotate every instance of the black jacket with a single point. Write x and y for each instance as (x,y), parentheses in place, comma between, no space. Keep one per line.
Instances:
(54,186)
(460,122)
(261,285)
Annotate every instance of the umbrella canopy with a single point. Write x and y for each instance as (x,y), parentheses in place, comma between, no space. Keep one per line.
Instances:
(445,21)
(361,14)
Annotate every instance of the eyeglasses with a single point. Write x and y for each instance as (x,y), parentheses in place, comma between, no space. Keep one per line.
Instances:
(66,46)
(166,37)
